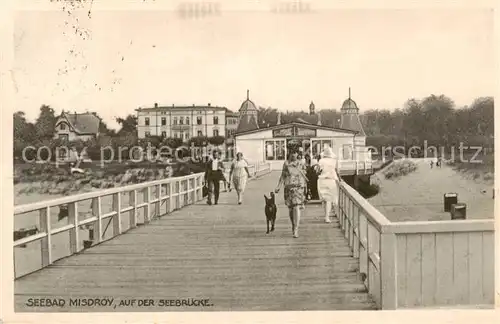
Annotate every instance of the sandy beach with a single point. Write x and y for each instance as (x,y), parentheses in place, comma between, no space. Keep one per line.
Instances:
(418,196)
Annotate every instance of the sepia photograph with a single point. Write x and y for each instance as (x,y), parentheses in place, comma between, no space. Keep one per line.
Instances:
(287,157)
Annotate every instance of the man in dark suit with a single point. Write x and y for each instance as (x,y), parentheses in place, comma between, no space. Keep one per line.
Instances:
(214,173)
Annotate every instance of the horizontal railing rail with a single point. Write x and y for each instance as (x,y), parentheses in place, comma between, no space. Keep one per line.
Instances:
(179,192)
(400,263)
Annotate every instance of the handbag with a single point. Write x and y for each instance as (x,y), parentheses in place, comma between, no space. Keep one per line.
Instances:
(204,191)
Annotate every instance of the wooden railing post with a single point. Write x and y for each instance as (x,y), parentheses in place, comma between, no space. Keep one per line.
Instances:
(74,240)
(170,197)
(117,224)
(146,193)
(132,198)
(97,212)
(347,224)
(358,238)
(46,242)
(342,211)
(177,190)
(388,271)
(368,255)
(158,204)
(352,226)
(185,195)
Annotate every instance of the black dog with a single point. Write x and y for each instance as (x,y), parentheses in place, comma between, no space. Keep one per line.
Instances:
(270,211)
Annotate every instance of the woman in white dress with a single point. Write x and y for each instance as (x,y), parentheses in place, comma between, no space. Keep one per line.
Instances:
(328,181)
(239,174)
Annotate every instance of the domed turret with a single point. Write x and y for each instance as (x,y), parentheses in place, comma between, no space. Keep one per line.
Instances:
(247,105)
(248,116)
(349,116)
(349,104)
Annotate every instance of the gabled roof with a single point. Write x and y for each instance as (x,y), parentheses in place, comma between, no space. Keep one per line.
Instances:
(309,119)
(296,123)
(86,123)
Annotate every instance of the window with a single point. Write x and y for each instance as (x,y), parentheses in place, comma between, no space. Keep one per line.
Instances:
(163,134)
(198,120)
(62,126)
(346,152)
(216,132)
(146,121)
(186,136)
(200,133)
(175,135)
(187,120)
(62,154)
(275,150)
(181,120)
(175,120)
(163,121)
(216,120)
(147,134)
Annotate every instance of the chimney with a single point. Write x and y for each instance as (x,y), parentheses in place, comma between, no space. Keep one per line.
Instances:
(75,116)
(209,104)
(156,105)
(172,105)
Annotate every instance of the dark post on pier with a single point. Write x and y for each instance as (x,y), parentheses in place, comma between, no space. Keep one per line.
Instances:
(459,211)
(450,199)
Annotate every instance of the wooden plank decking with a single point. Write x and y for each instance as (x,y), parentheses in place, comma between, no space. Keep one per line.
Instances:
(220,253)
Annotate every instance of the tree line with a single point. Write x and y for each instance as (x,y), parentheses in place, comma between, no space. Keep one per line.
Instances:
(41,133)
(435,120)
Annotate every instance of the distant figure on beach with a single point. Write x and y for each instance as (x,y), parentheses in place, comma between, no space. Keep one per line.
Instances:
(432,163)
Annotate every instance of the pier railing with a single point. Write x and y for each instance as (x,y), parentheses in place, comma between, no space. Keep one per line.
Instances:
(419,264)
(67,225)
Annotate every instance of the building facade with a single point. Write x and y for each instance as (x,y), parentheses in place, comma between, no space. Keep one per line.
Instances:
(72,127)
(182,122)
(231,126)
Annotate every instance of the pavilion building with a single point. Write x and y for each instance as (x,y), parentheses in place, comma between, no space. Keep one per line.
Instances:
(271,144)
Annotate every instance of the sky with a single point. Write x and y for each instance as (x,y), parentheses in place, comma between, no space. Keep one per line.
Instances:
(133,59)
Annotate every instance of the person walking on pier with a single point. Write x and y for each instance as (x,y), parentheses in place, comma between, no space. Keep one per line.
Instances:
(214,173)
(239,174)
(294,180)
(328,181)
